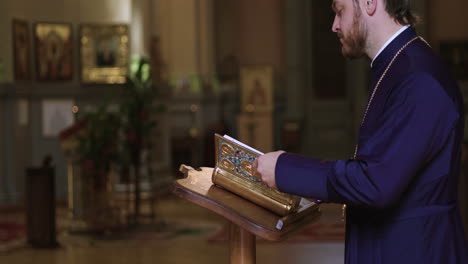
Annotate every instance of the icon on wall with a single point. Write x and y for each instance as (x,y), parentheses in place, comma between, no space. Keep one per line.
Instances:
(257,88)
(21,49)
(104,53)
(54,51)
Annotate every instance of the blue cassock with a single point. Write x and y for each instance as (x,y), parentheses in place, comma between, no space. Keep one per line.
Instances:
(401,190)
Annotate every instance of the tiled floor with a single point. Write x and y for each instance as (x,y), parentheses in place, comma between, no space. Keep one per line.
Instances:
(183,238)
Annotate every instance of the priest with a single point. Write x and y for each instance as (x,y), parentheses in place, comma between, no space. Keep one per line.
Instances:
(400,186)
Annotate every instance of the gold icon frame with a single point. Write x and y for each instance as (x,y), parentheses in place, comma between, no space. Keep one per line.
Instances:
(104,52)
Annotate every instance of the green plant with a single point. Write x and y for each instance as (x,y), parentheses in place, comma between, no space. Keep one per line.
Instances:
(97,149)
(137,111)
(120,137)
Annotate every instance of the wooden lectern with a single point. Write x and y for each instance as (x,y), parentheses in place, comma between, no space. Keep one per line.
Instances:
(247,219)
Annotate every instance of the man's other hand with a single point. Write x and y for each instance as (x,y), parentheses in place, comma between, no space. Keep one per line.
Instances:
(264,167)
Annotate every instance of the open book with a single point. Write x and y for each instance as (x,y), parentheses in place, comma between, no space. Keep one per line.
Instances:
(233,171)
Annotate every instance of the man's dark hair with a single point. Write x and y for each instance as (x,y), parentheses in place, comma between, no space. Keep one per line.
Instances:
(400,10)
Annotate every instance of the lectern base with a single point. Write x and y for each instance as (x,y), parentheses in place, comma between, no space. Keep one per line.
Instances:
(241,245)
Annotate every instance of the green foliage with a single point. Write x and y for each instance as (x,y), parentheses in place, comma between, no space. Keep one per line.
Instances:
(118,137)
(97,148)
(136,110)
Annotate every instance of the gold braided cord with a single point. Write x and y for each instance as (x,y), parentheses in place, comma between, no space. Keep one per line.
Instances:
(378,84)
(343,209)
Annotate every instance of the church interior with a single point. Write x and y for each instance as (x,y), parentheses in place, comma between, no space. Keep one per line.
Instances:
(102,101)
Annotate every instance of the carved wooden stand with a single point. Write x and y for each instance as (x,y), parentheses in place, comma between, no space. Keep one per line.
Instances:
(247,219)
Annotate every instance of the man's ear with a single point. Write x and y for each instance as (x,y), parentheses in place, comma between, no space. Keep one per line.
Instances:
(370,6)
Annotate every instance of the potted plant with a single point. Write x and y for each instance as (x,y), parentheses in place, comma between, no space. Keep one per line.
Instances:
(137,111)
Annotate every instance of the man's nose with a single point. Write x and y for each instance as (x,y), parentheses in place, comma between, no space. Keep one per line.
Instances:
(335,25)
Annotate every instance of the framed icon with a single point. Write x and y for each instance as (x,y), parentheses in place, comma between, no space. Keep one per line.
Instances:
(54,51)
(256,89)
(104,53)
(21,50)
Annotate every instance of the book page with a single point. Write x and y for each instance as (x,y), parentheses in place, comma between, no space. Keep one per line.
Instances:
(243,145)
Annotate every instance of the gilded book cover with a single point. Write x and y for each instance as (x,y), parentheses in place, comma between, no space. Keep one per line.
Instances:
(233,171)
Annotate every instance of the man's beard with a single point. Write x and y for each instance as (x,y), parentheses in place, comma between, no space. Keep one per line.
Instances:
(353,45)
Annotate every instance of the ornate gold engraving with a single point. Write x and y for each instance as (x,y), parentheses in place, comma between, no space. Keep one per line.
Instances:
(227,164)
(234,172)
(226,150)
(247,167)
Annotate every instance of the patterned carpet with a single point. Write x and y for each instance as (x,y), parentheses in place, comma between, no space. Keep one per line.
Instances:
(12,236)
(178,220)
(13,229)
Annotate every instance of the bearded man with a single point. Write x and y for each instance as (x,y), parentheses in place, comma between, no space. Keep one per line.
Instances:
(400,187)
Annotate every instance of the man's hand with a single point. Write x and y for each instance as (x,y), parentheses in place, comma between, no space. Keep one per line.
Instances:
(264,166)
